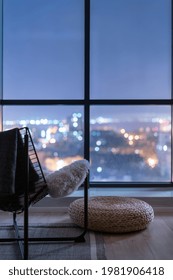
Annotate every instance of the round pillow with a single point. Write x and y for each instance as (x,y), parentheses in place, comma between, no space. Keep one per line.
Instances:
(112,214)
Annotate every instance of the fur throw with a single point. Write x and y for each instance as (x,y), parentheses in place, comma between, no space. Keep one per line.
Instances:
(68,179)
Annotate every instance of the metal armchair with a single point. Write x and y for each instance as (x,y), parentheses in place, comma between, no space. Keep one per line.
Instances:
(22,184)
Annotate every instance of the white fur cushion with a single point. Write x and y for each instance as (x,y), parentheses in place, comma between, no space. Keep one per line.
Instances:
(68,179)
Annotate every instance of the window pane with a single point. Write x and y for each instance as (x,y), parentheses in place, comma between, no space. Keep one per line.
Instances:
(57,132)
(43,49)
(131,49)
(130,143)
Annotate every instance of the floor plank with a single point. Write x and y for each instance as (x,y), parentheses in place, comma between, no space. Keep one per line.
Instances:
(153,243)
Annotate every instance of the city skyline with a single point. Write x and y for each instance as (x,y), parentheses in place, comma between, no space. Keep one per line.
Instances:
(125,151)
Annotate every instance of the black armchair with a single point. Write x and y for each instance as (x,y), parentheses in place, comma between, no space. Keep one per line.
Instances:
(22,184)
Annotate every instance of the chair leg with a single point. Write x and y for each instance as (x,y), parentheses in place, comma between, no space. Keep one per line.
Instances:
(26,198)
(80,239)
(17,235)
(26,234)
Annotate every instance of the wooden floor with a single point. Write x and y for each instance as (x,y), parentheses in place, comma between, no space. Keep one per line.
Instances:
(153,243)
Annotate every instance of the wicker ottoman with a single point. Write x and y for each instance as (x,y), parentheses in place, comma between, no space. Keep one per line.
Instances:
(112,214)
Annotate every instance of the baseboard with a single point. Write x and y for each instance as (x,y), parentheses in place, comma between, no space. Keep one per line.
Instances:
(64,202)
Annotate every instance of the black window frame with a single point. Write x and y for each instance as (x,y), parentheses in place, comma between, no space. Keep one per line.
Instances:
(86,102)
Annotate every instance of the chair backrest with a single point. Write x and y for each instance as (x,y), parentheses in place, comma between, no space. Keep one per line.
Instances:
(20,149)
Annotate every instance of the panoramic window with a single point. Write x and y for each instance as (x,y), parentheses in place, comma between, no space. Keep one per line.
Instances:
(91,78)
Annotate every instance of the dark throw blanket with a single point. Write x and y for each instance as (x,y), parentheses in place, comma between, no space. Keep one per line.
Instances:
(12,169)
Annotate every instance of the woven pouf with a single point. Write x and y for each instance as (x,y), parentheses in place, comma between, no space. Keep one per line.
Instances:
(112,214)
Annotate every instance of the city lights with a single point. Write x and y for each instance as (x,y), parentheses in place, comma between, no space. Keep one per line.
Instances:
(152,162)
(137,137)
(43,133)
(130,137)
(52,140)
(98,143)
(122,131)
(99,169)
(118,153)
(165,148)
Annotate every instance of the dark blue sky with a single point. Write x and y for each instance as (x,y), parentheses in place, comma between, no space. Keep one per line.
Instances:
(43,49)
(130,49)
(44,42)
